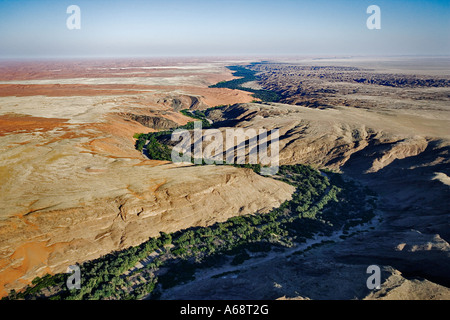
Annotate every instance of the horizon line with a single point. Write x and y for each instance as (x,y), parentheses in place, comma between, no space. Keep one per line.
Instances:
(215,56)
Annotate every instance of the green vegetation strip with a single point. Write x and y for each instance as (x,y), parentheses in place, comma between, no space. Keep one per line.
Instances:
(320,205)
(156,150)
(247,75)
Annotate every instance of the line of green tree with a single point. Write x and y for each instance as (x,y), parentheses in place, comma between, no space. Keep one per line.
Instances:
(158,151)
(195,114)
(247,75)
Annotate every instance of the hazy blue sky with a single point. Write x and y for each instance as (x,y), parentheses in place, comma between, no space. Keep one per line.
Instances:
(218,27)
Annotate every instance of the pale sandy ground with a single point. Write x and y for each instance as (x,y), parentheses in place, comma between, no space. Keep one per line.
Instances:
(150,81)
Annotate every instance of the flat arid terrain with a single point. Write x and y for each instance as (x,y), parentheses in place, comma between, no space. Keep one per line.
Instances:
(364,179)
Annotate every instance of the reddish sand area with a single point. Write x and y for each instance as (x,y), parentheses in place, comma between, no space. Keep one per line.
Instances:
(31,255)
(119,141)
(15,123)
(107,68)
(27,256)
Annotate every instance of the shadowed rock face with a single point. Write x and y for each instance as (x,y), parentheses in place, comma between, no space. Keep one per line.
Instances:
(157,123)
(325,86)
